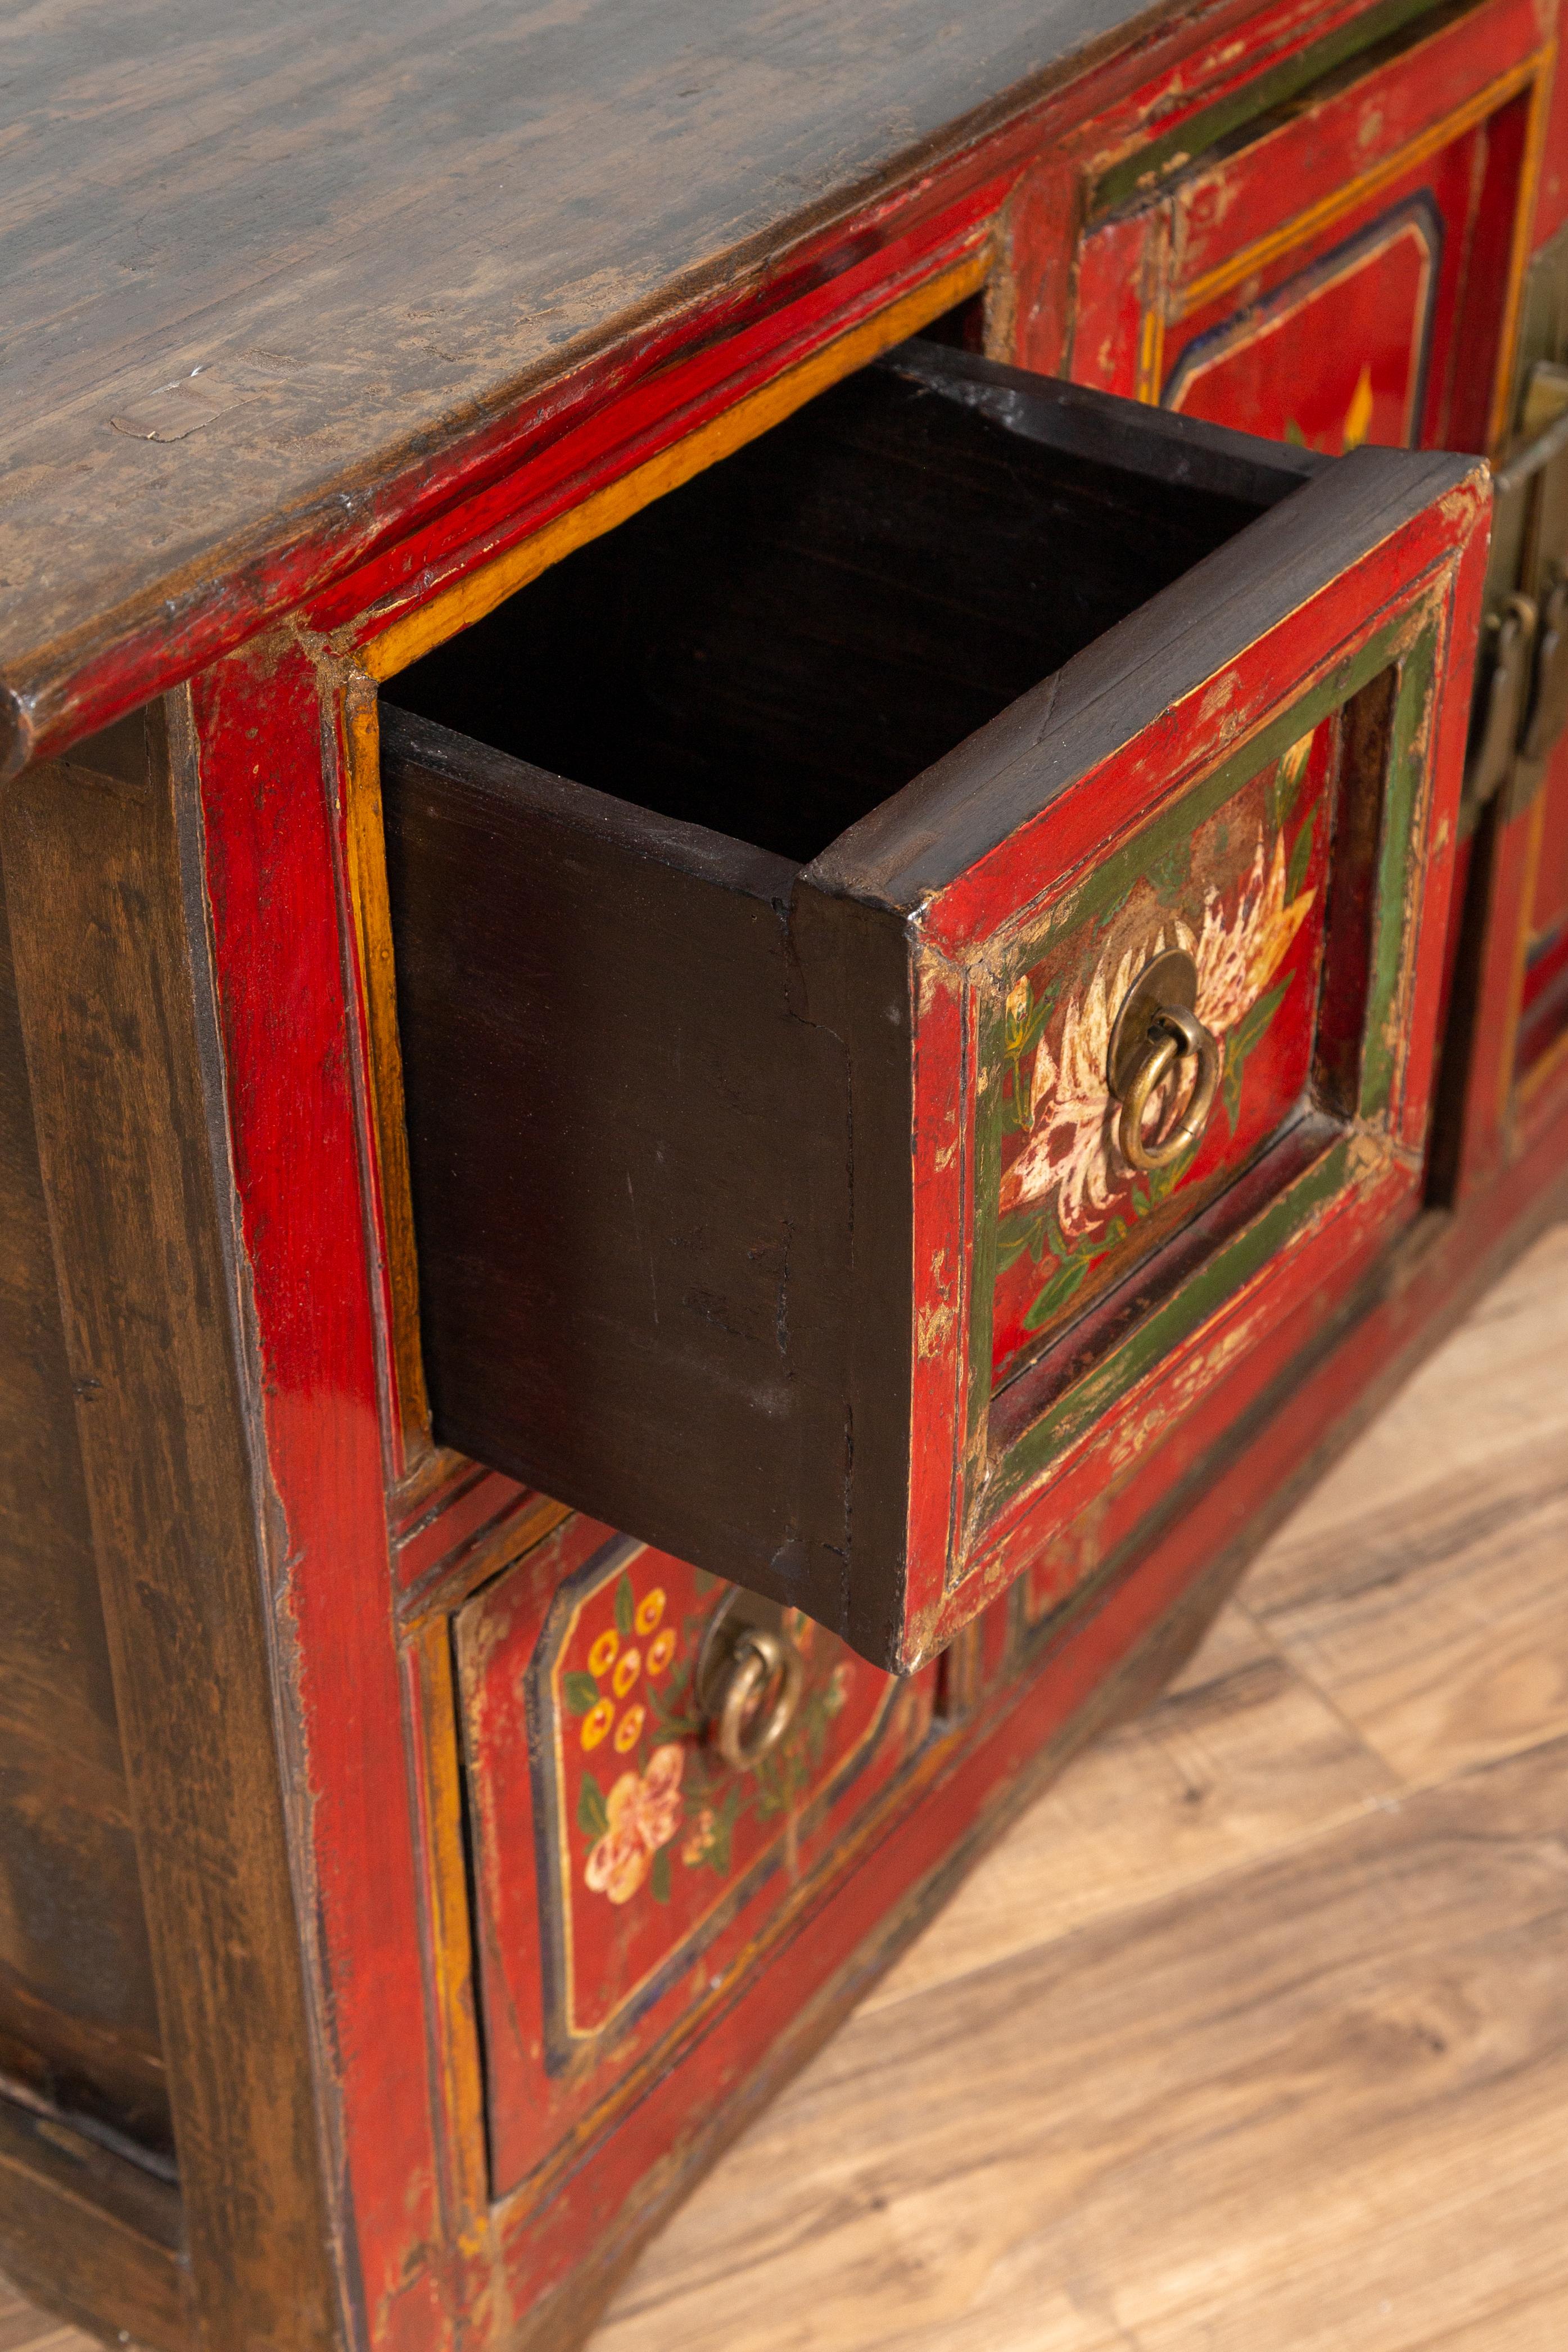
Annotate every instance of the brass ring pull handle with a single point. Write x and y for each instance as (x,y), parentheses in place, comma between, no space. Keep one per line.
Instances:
(1157,1034)
(1176,1036)
(761,1662)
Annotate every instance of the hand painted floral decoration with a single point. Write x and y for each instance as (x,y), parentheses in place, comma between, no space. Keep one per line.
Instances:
(1067,1203)
(644,1812)
(1068,1110)
(632,1698)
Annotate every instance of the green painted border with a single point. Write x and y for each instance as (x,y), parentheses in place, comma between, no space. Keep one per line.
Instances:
(992,1482)
(1146,175)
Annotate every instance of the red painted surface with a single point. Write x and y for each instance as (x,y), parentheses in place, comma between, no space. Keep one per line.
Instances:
(1339,350)
(296,1132)
(1075,1212)
(1551,204)
(1543,981)
(983,1544)
(1364,302)
(473,1505)
(623,1874)
(292,1042)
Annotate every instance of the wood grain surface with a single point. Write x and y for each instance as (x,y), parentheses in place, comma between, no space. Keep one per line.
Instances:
(1252,2033)
(96,856)
(79,2016)
(367,231)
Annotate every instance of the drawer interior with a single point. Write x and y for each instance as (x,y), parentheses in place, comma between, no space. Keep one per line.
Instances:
(782,643)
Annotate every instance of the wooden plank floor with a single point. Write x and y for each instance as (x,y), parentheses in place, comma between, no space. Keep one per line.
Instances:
(1252,2036)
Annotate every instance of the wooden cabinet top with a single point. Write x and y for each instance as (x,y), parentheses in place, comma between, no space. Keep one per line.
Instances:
(262,263)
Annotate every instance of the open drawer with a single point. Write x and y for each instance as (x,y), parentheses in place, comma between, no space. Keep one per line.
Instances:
(924,986)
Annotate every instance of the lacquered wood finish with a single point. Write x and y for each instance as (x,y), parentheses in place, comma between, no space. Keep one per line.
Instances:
(336,2183)
(1276,290)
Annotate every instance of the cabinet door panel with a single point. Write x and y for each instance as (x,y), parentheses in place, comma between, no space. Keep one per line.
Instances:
(1348,271)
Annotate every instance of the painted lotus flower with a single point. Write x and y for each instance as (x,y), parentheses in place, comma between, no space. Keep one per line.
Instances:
(1068,1114)
(1236,960)
(644,1812)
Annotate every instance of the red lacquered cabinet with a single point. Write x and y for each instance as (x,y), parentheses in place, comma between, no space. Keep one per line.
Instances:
(785,866)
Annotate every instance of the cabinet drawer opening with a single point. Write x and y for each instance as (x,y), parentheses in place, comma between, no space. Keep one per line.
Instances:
(783,643)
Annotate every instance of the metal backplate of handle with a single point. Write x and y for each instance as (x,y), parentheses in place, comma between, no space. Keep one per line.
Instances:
(748,1679)
(1157,1039)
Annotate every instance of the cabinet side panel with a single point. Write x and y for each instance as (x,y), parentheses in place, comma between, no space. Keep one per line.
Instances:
(78,2021)
(113,989)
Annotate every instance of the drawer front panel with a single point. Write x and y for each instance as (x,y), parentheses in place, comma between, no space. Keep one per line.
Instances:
(1243,891)
(627,1878)
(1314,899)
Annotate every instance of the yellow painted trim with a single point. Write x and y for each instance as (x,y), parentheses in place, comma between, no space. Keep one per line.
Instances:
(1544,1079)
(371,912)
(1305,225)
(1156,274)
(451,1928)
(1151,355)
(468,600)
(1501,419)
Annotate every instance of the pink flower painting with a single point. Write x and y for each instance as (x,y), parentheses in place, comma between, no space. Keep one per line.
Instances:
(644,1812)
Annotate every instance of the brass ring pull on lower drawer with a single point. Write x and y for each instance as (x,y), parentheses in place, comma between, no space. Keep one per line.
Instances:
(749,1679)
(1157,1035)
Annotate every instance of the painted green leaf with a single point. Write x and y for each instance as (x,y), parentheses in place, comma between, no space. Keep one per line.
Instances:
(1167,874)
(1289,780)
(625,1606)
(1294,435)
(726,1816)
(1056,1294)
(1014,1237)
(1300,856)
(592,1817)
(580,1693)
(1043,1007)
(1163,1181)
(676,1680)
(673,1726)
(1239,1044)
(659,1876)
